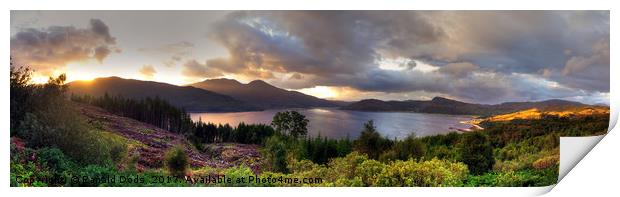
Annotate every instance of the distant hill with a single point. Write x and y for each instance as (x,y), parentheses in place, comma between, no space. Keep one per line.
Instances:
(536,113)
(264,95)
(190,98)
(448,106)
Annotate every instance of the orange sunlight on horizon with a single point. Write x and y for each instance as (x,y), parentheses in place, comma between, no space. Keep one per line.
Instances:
(323,92)
(38,78)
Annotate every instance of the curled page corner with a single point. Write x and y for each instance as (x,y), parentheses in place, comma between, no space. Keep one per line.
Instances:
(573,149)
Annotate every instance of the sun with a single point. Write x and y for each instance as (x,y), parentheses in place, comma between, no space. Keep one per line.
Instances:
(320,92)
(39,79)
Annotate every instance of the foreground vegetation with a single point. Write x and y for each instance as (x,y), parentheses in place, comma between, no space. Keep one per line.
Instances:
(51,139)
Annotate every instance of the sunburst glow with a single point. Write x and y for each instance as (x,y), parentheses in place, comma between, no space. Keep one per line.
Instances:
(320,91)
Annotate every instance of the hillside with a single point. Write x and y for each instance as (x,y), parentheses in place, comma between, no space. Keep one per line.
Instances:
(149,143)
(536,113)
(263,94)
(190,98)
(448,106)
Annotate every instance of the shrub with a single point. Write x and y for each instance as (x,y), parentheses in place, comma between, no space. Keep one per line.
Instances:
(276,153)
(433,173)
(476,151)
(521,178)
(302,166)
(55,160)
(368,171)
(27,171)
(546,162)
(62,127)
(177,161)
(118,152)
(345,167)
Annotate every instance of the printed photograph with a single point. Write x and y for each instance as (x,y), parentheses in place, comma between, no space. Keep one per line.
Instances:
(398,98)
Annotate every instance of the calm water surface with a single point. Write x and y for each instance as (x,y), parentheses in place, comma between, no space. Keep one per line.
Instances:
(335,123)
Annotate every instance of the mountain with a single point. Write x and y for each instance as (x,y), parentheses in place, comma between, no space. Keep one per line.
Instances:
(448,106)
(263,94)
(190,98)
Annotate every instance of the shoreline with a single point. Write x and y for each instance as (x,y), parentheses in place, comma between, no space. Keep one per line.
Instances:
(474,125)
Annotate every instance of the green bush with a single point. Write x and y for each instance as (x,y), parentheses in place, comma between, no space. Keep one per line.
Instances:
(276,150)
(60,126)
(368,171)
(433,173)
(177,161)
(476,151)
(521,178)
(345,167)
(55,160)
(118,152)
(26,171)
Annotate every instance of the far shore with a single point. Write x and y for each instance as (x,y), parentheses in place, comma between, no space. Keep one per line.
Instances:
(474,125)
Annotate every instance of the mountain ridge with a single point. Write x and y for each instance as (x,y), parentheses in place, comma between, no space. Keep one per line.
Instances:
(190,98)
(262,94)
(443,105)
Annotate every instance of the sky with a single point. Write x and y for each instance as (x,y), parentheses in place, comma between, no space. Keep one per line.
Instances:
(474,56)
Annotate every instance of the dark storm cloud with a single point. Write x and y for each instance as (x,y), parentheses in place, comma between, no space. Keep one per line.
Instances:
(55,46)
(473,49)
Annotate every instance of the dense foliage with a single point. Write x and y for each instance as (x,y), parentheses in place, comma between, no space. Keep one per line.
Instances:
(321,149)
(476,152)
(290,123)
(371,142)
(42,117)
(243,133)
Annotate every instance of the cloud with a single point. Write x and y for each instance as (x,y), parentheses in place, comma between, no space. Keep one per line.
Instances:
(590,71)
(459,69)
(175,52)
(195,69)
(296,76)
(47,49)
(101,52)
(148,71)
(474,55)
